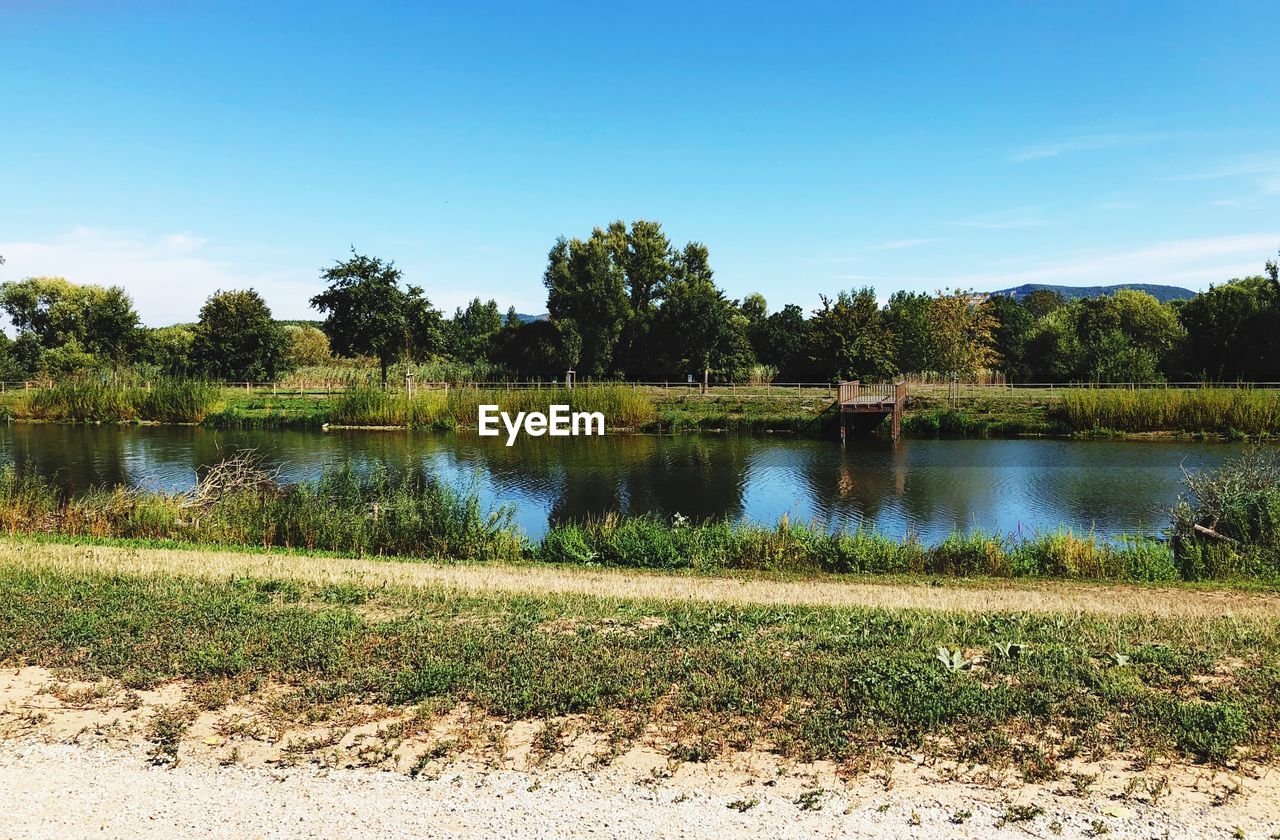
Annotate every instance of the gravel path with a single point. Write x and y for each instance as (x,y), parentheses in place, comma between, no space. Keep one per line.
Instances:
(59,790)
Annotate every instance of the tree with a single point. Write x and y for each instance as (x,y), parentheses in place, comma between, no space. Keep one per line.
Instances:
(698,329)
(55,313)
(847,339)
(586,285)
(1128,336)
(1013,325)
(907,319)
(1232,331)
(169,349)
(307,346)
(470,332)
(960,334)
(1043,301)
(367,313)
(237,339)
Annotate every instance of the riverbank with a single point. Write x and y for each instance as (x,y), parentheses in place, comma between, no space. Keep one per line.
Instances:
(1056,693)
(239,502)
(931,411)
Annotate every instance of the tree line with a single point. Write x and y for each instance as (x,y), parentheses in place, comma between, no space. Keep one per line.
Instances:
(626,303)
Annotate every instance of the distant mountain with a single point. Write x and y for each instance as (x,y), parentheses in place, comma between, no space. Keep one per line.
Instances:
(526,319)
(1160,293)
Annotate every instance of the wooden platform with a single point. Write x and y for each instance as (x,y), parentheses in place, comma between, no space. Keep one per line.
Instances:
(885,399)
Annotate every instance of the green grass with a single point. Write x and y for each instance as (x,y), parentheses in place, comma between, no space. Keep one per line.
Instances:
(90,400)
(413,515)
(1228,411)
(647,542)
(623,408)
(809,683)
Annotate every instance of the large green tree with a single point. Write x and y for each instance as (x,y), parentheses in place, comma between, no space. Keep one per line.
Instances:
(469,334)
(236,338)
(369,313)
(848,339)
(907,319)
(53,314)
(1233,331)
(586,285)
(698,329)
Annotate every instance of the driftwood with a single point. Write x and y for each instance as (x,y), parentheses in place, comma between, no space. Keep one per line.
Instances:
(242,471)
(1210,533)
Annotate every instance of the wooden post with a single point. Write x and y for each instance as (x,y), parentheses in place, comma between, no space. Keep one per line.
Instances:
(844,428)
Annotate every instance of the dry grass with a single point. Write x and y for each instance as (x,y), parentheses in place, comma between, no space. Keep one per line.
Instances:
(978,597)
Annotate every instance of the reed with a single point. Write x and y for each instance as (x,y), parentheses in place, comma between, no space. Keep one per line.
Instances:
(649,542)
(622,407)
(93,400)
(1219,410)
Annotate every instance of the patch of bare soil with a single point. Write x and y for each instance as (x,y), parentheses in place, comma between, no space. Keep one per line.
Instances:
(223,760)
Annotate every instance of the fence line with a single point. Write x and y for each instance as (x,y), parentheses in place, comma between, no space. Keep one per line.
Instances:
(780,390)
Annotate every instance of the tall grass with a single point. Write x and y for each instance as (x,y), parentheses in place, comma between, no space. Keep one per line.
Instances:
(649,542)
(410,515)
(1227,525)
(93,400)
(622,407)
(1223,410)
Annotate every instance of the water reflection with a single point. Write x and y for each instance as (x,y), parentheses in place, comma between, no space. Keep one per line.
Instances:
(918,486)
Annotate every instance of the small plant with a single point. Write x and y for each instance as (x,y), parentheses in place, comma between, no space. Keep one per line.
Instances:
(960,817)
(811,800)
(1097,828)
(953,660)
(744,805)
(165,733)
(1119,660)
(1008,651)
(1016,814)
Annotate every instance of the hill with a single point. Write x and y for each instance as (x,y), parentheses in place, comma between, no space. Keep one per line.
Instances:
(1160,293)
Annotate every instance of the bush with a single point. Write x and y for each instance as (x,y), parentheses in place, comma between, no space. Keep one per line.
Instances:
(1227,524)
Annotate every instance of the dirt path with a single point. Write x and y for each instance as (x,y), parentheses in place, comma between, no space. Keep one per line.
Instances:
(53,790)
(1055,596)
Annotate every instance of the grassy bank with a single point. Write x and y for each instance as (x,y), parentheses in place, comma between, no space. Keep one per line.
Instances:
(1226,411)
(1035,690)
(413,515)
(930,410)
(89,400)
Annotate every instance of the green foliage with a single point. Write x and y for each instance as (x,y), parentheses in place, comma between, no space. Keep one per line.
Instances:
(80,326)
(1231,331)
(367,313)
(808,683)
(97,399)
(368,406)
(847,339)
(237,339)
(1223,410)
(308,346)
(1227,524)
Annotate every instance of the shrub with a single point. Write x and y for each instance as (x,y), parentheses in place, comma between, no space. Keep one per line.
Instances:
(1227,524)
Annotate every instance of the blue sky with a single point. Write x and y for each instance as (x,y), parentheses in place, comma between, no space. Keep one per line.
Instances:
(175,148)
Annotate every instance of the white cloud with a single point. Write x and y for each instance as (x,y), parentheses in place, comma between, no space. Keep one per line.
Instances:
(1194,263)
(1086,143)
(1263,165)
(1007,220)
(898,244)
(169,276)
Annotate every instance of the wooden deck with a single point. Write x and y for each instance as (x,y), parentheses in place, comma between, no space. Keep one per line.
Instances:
(885,399)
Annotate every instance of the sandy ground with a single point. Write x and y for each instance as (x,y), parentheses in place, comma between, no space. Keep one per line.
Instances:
(80,758)
(1022,596)
(50,790)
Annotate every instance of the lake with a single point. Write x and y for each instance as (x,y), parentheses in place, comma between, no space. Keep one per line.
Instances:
(926,487)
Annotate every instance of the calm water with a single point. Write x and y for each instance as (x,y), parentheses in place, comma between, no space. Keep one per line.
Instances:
(923,486)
